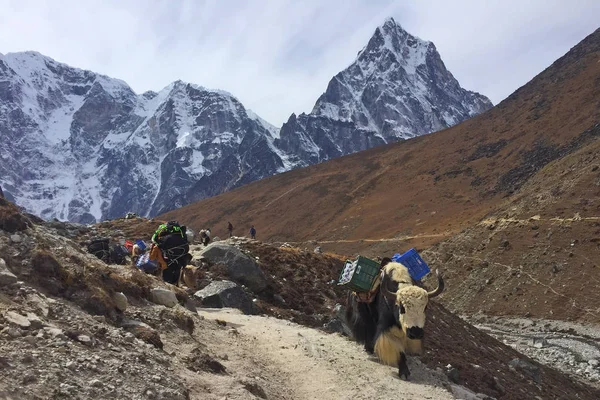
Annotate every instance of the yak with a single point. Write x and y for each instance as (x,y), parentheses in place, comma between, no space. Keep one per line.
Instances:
(391,325)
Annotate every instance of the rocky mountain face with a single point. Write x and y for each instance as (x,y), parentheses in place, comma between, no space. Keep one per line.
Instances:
(80,146)
(397,88)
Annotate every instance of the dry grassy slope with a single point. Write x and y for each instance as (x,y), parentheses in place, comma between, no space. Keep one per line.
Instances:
(429,187)
(547,266)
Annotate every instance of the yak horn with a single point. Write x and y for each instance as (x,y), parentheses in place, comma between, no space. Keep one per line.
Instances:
(440,287)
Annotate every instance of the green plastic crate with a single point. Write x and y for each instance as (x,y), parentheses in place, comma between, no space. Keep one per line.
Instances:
(359,274)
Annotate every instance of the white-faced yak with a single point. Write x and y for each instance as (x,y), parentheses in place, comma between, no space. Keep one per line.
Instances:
(391,325)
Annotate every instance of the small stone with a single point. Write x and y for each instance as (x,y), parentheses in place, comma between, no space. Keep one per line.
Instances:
(16,238)
(55,332)
(85,339)
(453,374)
(95,383)
(593,362)
(14,332)
(71,365)
(120,301)
(29,378)
(30,339)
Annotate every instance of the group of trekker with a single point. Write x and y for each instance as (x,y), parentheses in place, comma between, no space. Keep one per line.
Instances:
(167,254)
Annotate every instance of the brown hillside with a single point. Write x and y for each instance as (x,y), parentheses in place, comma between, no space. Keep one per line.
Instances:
(539,253)
(420,191)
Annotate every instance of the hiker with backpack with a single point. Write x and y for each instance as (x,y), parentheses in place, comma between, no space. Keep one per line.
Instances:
(253,232)
(230,228)
(171,241)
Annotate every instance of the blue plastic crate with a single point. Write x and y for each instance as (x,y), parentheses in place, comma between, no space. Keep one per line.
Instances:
(413,261)
(141,244)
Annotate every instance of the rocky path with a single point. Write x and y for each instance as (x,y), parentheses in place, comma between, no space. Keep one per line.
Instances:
(295,362)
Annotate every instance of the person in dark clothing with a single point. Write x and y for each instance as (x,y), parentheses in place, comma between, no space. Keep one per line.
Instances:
(1,194)
(175,250)
(253,232)
(230,228)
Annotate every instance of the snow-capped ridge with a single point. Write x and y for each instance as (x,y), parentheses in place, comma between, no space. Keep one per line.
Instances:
(82,146)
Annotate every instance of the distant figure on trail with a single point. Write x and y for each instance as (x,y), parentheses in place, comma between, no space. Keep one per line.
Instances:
(230,228)
(1,194)
(253,232)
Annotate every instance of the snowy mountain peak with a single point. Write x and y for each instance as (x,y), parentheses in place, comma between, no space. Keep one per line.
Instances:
(392,41)
(82,146)
(397,88)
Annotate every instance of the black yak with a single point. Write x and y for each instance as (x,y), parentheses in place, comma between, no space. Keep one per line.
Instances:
(391,325)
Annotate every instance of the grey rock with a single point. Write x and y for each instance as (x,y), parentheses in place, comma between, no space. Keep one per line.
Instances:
(453,374)
(318,250)
(240,267)
(6,276)
(220,294)
(14,332)
(85,339)
(55,333)
(34,321)
(593,362)
(17,319)
(16,238)
(120,301)
(278,298)
(164,297)
(335,325)
(526,368)
(461,392)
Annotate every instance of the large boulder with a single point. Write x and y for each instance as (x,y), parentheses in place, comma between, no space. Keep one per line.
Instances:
(240,267)
(221,294)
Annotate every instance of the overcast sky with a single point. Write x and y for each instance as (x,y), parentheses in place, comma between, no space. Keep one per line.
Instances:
(277,56)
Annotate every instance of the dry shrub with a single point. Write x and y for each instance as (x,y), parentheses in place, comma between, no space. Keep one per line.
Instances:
(11,219)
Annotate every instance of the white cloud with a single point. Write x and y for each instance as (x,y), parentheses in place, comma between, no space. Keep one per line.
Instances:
(277,56)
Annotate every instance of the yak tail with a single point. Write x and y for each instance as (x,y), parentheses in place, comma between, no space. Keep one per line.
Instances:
(389,345)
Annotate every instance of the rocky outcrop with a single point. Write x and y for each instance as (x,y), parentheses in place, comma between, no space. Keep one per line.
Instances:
(241,268)
(219,294)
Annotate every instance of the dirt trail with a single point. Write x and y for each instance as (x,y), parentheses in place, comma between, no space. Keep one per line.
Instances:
(485,222)
(303,363)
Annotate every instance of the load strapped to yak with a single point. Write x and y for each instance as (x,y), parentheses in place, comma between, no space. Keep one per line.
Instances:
(386,310)
(363,275)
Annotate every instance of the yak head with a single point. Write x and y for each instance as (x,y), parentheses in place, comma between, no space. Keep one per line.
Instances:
(407,300)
